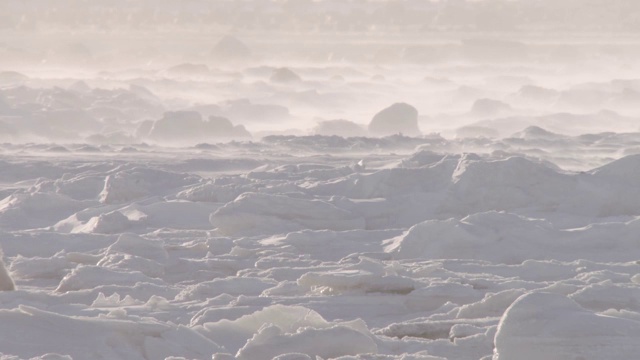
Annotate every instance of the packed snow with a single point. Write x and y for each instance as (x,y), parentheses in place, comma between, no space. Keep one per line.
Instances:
(319,180)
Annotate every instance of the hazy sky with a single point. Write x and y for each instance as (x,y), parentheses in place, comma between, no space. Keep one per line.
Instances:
(325,15)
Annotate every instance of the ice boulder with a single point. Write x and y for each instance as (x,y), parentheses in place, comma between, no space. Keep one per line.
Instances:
(284,75)
(553,327)
(397,118)
(230,48)
(180,126)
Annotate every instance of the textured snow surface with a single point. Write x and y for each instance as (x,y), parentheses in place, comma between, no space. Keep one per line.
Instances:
(320,179)
(405,254)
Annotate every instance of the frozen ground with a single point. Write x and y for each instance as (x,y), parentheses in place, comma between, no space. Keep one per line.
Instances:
(338,187)
(143,252)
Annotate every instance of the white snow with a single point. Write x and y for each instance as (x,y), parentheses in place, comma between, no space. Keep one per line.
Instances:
(416,255)
(330,180)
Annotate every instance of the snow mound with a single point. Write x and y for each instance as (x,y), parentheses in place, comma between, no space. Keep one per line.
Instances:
(114,336)
(605,295)
(110,223)
(553,327)
(130,184)
(270,341)
(476,236)
(507,184)
(281,330)
(54,267)
(624,169)
(613,181)
(284,76)
(135,245)
(536,133)
(397,118)
(37,209)
(268,213)
(368,276)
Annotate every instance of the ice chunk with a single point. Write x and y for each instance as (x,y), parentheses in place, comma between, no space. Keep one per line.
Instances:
(284,75)
(398,118)
(135,245)
(327,343)
(553,327)
(189,126)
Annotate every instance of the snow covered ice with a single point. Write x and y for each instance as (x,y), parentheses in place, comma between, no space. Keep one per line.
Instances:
(306,180)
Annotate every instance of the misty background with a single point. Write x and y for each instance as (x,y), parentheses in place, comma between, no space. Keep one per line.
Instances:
(157,71)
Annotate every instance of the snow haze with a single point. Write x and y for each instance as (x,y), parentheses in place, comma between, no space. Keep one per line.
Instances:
(319,179)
